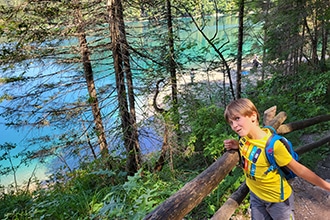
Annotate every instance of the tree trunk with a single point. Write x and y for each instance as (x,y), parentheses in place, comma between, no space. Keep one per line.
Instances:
(172,63)
(133,139)
(265,37)
(325,34)
(313,39)
(240,49)
(161,160)
(172,69)
(88,71)
(120,56)
(174,87)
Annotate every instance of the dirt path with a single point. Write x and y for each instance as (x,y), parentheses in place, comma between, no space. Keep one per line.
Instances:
(311,202)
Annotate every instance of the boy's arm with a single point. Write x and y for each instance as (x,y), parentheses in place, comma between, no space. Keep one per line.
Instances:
(305,173)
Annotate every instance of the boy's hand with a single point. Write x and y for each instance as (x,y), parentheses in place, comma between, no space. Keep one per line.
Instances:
(231,144)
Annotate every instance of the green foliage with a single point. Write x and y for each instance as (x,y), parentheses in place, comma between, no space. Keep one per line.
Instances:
(219,196)
(71,196)
(196,8)
(70,200)
(209,130)
(11,79)
(135,198)
(300,96)
(15,206)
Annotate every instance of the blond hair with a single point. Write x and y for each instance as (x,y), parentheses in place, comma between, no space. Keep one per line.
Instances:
(241,106)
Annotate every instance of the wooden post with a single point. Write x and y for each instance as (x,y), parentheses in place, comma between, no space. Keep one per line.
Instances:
(269,115)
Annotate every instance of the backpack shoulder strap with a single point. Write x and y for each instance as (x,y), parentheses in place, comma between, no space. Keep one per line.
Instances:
(272,129)
(269,150)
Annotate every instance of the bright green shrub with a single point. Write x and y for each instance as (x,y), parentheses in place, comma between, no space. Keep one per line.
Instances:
(135,198)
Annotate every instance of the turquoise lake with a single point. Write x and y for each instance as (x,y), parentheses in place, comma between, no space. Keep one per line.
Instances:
(227,28)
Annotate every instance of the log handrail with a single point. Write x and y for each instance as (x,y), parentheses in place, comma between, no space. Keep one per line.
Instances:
(287,128)
(229,207)
(192,193)
(311,146)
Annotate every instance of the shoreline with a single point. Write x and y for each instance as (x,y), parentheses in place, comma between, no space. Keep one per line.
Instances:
(145,111)
(194,77)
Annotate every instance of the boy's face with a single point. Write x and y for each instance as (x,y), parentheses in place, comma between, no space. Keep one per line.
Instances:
(242,124)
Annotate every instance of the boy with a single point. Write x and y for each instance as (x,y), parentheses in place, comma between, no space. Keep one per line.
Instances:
(265,198)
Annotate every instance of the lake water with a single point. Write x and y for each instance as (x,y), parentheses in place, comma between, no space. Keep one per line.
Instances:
(226,27)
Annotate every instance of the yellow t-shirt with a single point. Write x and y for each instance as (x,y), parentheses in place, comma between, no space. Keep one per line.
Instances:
(254,162)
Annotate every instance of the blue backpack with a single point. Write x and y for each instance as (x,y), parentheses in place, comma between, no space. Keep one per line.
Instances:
(283,171)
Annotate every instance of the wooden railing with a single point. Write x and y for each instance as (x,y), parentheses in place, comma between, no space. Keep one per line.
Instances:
(183,201)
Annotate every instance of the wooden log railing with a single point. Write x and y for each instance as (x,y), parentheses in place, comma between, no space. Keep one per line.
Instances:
(190,195)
